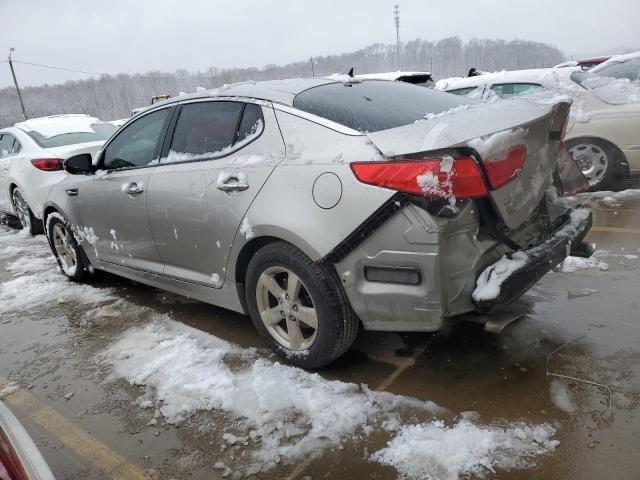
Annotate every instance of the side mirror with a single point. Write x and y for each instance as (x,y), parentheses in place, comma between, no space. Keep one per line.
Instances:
(79,164)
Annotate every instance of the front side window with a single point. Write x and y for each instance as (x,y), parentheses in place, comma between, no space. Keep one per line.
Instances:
(139,142)
(204,129)
(629,70)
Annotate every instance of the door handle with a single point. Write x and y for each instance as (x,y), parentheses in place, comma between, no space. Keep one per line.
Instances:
(132,189)
(233,184)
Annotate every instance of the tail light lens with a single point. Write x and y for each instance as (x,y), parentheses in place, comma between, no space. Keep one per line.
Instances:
(431,177)
(502,171)
(48,164)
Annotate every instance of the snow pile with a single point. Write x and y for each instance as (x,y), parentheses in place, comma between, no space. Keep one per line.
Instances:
(491,279)
(291,412)
(615,91)
(573,264)
(285,413)
(36,281)
(436,452)
(496,145)
(560,396)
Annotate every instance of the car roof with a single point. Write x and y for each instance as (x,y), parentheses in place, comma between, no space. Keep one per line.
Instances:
(55,122)
(278,91)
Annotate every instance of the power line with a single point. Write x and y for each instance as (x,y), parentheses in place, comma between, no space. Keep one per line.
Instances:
(155,77)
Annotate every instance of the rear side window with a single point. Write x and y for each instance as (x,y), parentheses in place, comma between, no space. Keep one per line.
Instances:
(512,89)
(206,127)
(372,105)
(138,144)
(251,123)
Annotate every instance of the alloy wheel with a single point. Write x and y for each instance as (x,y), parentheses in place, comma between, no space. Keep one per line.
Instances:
(286,308)
(592,160)
(63,245)
(22,209)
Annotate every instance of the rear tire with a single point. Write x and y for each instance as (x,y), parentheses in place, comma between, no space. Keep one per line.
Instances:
(299,306)
(25,215)
(70,257)
(600,162)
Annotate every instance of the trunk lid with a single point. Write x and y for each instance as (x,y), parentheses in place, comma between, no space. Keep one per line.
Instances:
(490,130)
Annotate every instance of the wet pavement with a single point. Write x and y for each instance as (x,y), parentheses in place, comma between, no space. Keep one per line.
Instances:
(573,362)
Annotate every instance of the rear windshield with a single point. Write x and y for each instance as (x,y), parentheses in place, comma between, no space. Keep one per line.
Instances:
(374,105)
(101,132)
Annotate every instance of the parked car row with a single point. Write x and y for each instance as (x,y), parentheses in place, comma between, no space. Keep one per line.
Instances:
(32,154)
(603,135)
(317,206)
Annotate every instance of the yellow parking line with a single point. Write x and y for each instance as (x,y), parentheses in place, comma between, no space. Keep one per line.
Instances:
(635,231)
(83,444)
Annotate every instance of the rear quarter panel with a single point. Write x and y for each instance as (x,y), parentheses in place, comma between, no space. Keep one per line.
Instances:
(285,207)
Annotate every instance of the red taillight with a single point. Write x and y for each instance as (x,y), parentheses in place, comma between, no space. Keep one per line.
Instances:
(48,164)
(430,177)
(502,171)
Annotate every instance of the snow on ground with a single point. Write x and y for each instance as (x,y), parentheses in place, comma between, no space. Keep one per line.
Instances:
(280,412)
(35,280)
(573,264)
(434,451)
(285,413)
(606,197)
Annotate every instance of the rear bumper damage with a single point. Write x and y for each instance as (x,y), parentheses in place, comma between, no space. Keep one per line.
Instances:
(517,271)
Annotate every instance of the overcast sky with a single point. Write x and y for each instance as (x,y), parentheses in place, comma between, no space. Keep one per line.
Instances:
(136,36)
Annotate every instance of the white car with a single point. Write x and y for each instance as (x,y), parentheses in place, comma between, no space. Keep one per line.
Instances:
(621,66)
(422,79)
(32,154)
(603,133)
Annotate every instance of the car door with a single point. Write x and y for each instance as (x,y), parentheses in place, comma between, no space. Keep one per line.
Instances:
(113,203)
(219,156)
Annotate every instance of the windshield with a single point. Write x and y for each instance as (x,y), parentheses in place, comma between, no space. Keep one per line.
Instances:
(101,132)
(372,105)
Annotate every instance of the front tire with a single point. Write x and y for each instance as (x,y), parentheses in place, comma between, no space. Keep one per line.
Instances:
(299,306)
(27,219)
(70,257)
(599,161)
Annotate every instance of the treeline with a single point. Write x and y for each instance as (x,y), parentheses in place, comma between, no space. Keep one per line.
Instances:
(113,96)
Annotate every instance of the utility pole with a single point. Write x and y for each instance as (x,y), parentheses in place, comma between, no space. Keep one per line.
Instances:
(15,81)
(313,72)
(396,19)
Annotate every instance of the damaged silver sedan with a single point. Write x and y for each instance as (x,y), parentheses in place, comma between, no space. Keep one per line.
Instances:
(319,206)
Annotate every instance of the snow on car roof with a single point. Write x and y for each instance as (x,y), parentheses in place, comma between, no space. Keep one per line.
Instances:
(537,75)
(391,75)
(616,59)
(59,124)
